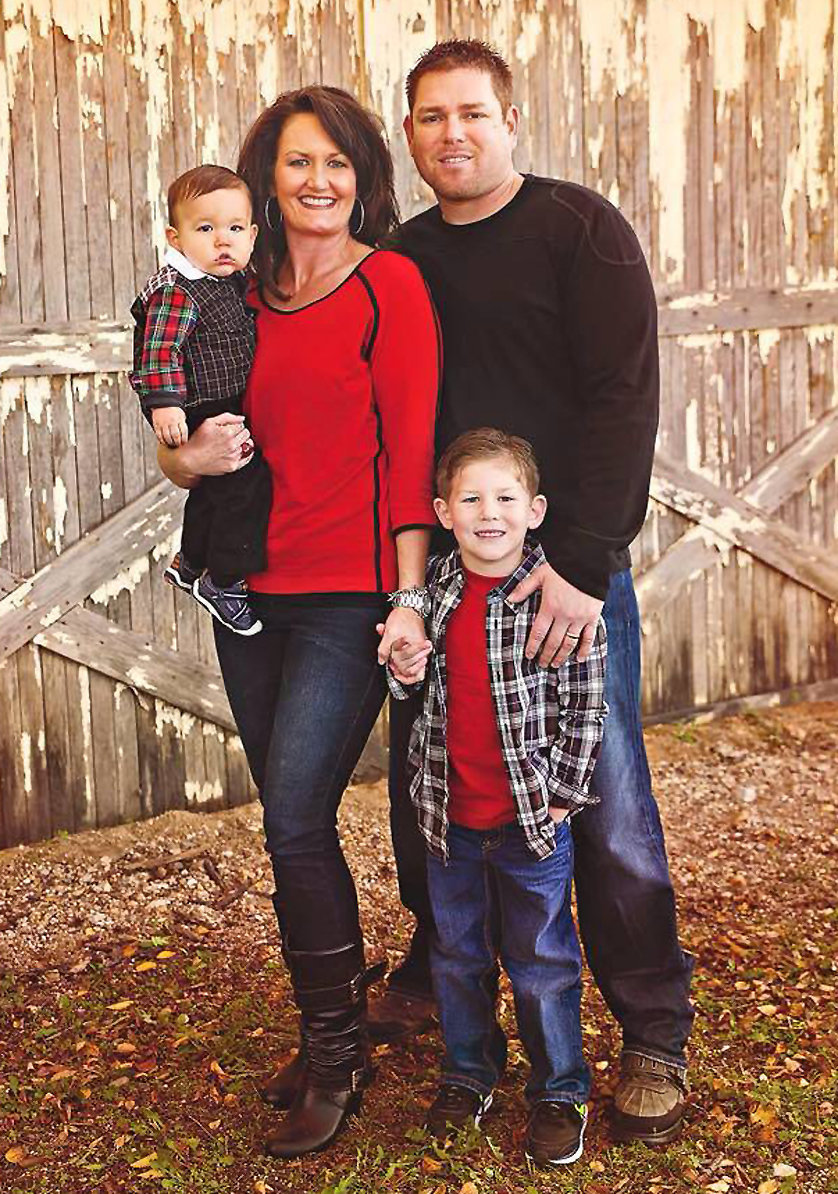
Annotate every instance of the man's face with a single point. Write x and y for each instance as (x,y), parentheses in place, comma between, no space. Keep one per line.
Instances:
(459,138)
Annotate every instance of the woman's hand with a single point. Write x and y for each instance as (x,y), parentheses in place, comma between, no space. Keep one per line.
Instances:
(222,444)
(404,645)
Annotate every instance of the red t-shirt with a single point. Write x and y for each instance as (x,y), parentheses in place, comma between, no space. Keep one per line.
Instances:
(341,399)
(479,796)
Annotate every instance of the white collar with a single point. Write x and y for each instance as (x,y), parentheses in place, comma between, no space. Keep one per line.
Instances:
(184,266)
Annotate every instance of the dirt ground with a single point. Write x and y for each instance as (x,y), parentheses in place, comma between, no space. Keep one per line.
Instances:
(142,996)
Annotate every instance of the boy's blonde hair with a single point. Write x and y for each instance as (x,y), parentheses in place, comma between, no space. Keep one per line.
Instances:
(203,180)
(486,443)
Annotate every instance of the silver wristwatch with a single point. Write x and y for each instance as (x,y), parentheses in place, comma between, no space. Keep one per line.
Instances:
(416,599)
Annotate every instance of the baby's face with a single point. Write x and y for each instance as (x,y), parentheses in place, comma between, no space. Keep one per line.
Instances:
(215,231)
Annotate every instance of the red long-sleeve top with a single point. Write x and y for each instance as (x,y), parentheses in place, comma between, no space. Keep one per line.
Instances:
(342,399)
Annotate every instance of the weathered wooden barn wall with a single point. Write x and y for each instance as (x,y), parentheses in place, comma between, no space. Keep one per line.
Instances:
(710,122)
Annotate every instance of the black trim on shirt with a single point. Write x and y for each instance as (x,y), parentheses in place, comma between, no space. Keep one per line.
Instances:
(369,344)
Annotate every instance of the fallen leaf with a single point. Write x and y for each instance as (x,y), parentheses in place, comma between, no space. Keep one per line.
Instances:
(767,1009)
(719,1187)
(15,1154)
(783,1170)
(146,966)
(763,1115)
(768,1187)
(597,1167)
(144,1162)
(468,1188)
(126,1047)
(121,1006)
(165,953)
(429,1165)
(214,1123)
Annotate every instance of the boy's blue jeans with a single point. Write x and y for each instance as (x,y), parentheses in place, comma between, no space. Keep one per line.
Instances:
(495,898)
(623,889)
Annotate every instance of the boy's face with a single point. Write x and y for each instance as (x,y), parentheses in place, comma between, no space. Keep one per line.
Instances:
(490,512)
(215,231)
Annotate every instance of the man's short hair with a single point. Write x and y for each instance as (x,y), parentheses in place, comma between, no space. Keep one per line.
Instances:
(463,52)
(487,443)
(202,180)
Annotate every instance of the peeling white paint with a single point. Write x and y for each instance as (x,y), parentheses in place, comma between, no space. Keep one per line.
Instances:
(167,715)
(767,340)
(87,741)
(125,581)
(210,730)
(11,397)
(52,615)
(26,761)
(139,679)
(202,793)
(60,508)
(106,490)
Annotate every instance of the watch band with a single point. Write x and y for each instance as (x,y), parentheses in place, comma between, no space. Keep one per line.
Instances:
(418,599)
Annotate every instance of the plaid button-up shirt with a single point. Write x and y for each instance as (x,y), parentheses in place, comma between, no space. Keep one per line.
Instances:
(550,720)
(194,340)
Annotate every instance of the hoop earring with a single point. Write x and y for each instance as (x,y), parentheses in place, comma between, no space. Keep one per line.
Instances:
(360,202)
(273,227)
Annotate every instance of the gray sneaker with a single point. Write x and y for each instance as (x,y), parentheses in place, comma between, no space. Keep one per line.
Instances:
(229,605)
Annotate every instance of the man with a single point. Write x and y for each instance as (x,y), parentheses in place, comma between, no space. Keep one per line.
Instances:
(549,333)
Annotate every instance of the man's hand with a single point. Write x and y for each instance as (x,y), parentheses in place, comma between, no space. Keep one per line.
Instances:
(170,425)
(404,645)
(566,620)
(221,444)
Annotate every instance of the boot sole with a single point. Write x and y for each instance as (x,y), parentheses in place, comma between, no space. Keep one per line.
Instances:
(254,629)
(624,1134)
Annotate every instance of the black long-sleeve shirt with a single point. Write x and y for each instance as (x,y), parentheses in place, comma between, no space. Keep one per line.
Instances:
(549,327)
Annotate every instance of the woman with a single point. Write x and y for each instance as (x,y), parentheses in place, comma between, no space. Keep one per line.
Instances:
(341,401)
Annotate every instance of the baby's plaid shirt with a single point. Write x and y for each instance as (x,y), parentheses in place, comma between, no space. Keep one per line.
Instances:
(550,720)
(194,340)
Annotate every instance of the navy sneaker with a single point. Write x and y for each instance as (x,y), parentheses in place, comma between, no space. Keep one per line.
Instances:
(453,1108)
(229,605)
(181,573)
(556,1133)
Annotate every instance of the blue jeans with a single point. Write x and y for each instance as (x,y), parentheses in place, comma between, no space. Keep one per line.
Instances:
(623,889)
(305,694)
(494,897)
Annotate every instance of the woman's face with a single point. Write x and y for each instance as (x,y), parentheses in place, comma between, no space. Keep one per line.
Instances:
(315,182)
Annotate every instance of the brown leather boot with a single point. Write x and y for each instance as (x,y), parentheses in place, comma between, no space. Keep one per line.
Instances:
(394,1016)
(330,990)
(649,1100)
(280,1089)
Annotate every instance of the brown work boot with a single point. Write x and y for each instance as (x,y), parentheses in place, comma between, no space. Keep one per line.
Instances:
(394,1016)
(649,1100)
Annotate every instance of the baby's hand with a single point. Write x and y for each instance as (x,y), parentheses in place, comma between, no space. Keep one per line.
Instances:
(170,426)
(407,659)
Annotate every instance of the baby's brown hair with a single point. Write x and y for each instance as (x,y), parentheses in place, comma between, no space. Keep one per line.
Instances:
(202,180)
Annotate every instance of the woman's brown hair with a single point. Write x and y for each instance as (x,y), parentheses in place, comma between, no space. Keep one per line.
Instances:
(356,131)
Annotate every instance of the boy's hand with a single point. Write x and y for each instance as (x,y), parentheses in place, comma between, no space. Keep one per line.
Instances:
(170,425)
(557,814)
(404,645)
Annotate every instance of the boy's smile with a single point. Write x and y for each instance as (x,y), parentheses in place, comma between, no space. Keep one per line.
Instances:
(490,511)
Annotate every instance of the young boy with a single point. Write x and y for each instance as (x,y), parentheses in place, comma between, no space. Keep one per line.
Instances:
(193,347)
(502,753)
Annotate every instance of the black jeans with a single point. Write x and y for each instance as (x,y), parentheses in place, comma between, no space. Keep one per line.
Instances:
(624,892)
(305,694)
